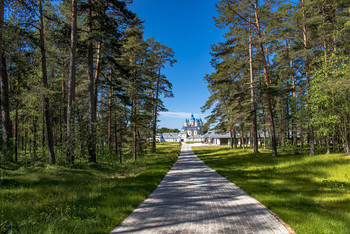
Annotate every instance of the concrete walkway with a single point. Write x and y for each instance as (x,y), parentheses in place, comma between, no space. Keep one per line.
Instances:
(193,198)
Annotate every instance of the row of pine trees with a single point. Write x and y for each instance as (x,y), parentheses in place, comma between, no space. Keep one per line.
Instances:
(78,81)
(282,74)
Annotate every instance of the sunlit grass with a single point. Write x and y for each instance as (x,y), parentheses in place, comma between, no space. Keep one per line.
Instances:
(310,193)
(89,198)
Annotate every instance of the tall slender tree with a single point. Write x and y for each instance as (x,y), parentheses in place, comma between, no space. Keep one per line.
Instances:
(71,84)
(50,143)
(5,103)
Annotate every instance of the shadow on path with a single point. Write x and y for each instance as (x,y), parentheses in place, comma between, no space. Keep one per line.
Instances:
(193,198)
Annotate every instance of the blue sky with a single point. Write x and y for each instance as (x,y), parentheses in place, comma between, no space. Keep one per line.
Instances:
(188,28)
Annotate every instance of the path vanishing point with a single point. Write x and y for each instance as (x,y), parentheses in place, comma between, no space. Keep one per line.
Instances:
(193,198)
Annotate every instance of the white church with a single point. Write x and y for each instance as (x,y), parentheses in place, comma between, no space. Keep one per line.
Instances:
(191,130)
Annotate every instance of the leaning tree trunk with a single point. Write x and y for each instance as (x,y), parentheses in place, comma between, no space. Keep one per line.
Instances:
(71,84)
(91,131)
(52,159)
(5,103)
(267,84)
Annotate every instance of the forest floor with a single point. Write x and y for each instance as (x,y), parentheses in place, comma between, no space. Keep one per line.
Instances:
(310,193)
(85,198)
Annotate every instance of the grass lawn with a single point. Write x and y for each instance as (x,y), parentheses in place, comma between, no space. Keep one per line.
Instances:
(311,194)
(88,198)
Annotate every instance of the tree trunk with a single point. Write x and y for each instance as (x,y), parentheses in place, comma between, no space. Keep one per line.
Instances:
(293,104)
(134,127)
(254,130)
(235,138)
(16,134)
(71,84)
(307,74)
(52,159)
(267,85)
(109,127)
(155,113)
(35,156)
(264,138)
(91,131)
(97,75)
(231,138)
(283,134)
(5,102)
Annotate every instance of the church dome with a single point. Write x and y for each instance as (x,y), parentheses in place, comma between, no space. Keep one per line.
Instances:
(192,118)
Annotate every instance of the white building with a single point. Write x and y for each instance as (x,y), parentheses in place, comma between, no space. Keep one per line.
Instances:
(193,126)
(192,130)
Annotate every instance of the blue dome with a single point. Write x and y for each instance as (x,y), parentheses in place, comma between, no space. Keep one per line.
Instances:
(192,117)
(182,127)
(197,120)
(186,120)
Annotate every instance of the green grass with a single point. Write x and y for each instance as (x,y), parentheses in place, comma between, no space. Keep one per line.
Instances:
(310,193)
(87,198)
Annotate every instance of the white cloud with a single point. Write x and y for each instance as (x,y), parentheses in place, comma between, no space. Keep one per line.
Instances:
(180,115)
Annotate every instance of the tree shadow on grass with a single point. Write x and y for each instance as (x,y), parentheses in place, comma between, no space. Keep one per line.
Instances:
(295,187)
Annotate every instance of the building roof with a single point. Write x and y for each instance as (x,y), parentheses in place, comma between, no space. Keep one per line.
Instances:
(192,117)
(199,137)
(216,134)
(171,135)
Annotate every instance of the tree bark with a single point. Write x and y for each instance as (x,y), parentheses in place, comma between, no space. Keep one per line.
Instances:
(267,84)
(71,84)
(5,103)
(293,104)
(307,74)
(235,138)
(109,127)
(52,159)
(134,125)
(91,131)
(97,75)
(254,136)
(155,113)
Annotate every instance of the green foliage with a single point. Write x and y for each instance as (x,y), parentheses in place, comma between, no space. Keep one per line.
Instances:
(310,193)
(330,94)
(164,130)
(93,198)
(127,73)
(305,75)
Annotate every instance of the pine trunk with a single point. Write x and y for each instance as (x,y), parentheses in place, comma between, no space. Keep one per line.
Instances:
(52,158)
(307,74)
(254,131)
(91,131)
(267,85)
(109,127)
(71,84)
(155,114)
(5,103)
(97,75)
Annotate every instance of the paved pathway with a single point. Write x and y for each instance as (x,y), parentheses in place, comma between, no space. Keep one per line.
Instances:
(193,198)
